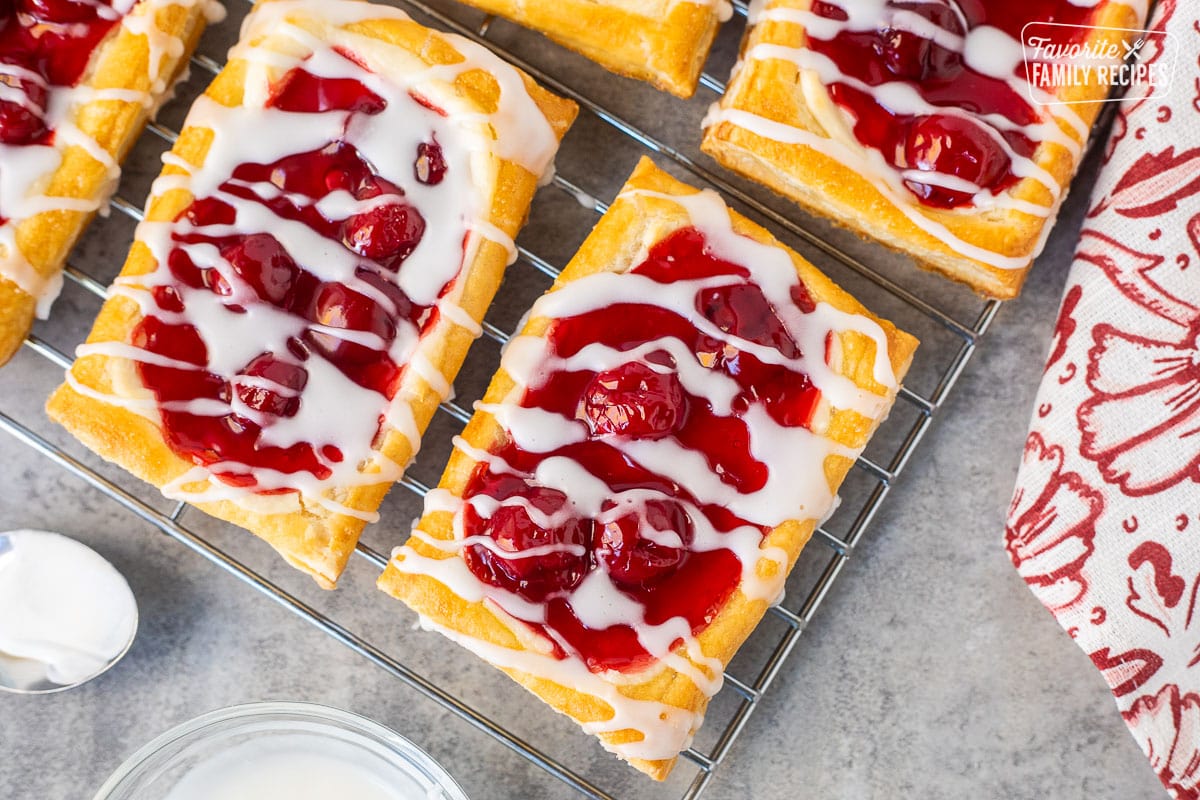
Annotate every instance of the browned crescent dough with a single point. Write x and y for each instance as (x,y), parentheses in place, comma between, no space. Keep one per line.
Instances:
(631,224)
(122,61)
(664,42)
(313,539)
(826,187)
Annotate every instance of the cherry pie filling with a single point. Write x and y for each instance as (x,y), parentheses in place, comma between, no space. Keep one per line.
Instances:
(941,143)
(352,329)
(648,551)
(44,44)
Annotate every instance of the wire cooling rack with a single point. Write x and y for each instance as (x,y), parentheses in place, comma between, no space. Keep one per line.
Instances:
(949,321)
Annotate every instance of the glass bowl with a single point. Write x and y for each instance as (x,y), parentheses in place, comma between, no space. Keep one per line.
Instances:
(255,745)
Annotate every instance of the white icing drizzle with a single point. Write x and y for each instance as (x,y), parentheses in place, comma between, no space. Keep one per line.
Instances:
(796,487)
(722,8)
(985,49)
(333,409)
(27,169)
(667,729)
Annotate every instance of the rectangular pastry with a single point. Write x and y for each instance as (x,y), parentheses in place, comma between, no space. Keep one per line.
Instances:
(658,444)
(78,80)
(316,258)
(664,42)
(914,124)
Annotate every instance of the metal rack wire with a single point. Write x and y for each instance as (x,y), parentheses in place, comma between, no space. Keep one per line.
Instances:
(879,472)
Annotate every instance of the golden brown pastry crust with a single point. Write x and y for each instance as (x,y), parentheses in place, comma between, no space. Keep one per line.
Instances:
(631,224)
(313,539)
(824,186)
(664,42)
(121,61)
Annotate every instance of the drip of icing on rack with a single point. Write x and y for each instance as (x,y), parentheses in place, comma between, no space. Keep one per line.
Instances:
(46,47)
(670,418)
(281,330)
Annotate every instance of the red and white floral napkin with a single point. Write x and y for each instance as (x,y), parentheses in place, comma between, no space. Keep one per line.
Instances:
(1105,520)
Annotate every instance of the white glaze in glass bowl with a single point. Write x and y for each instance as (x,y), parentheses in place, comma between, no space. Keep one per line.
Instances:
(293,750)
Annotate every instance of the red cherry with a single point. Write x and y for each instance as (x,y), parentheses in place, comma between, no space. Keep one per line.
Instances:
(904,53)
(338,178)
(829,10)
(953,146)
(180,342)
(210,211)
(367,185)
(686,246)
(744,311)
(183,268)
(803,299)
(261,260)
(533,577)
(430,166)
(401,306)
(290,377)
(369,368)
(387,234)
(336,306)
(627,546)
(167,298)
(301,91)
(634,400)
(790,399)
(911,56)
(22,121)
(63,11)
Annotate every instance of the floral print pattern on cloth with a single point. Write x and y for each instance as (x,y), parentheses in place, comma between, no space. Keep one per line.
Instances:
(1104,520)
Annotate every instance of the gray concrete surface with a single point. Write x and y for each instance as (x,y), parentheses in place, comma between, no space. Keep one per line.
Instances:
(929,671)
